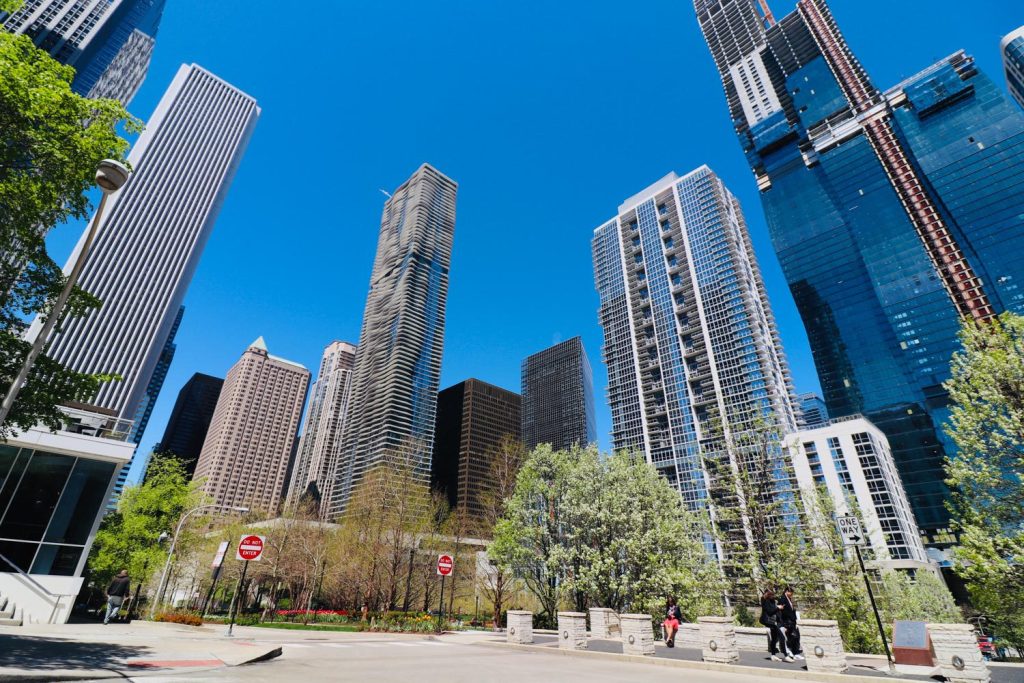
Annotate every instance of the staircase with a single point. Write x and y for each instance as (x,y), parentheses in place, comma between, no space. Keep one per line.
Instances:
(9,614)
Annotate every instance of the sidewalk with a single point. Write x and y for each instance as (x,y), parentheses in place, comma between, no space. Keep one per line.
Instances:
(73,652)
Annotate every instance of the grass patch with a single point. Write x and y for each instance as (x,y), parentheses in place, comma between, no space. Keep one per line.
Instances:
(308,627)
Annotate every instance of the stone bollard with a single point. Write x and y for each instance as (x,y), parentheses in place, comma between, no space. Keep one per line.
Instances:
(520,627)
(718,640)
(604,623)
(956,652)
(822,645)
(572,630)
(637,634)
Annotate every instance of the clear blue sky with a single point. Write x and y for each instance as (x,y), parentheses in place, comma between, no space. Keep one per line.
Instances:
(548,114)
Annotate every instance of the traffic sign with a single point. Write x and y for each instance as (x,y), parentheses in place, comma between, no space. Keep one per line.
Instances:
(849,529)
(250,548)
(445,564)
(218,559)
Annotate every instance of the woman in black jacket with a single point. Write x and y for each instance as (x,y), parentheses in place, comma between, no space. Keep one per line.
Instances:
(770,618)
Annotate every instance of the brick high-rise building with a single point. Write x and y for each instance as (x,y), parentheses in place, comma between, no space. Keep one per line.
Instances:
(245,458)
(473,418)
(558,397)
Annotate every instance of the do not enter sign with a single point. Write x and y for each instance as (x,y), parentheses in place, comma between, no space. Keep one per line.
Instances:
(250,548)
(445,564)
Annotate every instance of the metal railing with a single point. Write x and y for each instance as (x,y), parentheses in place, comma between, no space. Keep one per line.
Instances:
(38,585)
(96,424)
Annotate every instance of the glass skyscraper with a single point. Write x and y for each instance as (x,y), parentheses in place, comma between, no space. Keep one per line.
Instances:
(558,397)
(1012,47)
(894,214)
(695,365)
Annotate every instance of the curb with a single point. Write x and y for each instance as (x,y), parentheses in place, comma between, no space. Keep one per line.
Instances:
(699,666)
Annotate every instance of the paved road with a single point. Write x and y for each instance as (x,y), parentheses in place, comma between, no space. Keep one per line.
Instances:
(379,657)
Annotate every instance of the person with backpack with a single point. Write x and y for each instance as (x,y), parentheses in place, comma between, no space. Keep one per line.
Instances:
(771,619)
(788,619)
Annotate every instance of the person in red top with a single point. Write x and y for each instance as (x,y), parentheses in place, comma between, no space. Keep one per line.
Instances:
(673,615)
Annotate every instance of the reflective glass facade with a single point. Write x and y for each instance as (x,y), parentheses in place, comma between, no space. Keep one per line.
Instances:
(48,505)
(873,292)
(1013,63)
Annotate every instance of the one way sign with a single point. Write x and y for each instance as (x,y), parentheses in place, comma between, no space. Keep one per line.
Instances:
(849,529)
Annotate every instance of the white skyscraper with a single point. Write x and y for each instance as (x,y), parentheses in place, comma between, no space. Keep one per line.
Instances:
(153,235)
(317,459)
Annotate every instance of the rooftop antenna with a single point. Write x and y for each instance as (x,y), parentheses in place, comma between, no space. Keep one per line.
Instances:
(769,18)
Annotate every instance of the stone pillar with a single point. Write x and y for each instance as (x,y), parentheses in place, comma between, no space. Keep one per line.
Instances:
(520,627)
(604,623)
(572,630)
(822,646)
(956,652)
(718,640)
(637,634)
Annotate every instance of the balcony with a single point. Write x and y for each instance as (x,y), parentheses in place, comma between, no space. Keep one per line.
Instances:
(95,422)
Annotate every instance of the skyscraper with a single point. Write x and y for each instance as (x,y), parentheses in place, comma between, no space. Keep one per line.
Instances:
(693,353)
(317,460)
(1012,47)
(153,234)
(473,418)
(398,363)
(190,419)
(813,412)
(894,214)
(248,448)
(558,397)
(109,42)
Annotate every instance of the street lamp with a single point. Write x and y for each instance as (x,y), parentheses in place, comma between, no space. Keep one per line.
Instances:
(110,176)
(174,541)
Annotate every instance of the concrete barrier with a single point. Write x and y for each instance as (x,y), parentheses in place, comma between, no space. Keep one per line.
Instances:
(822,645)
(956,652)
(752,638)
(520,627)
(718,640)
(637,634)
(572,630)
(688,636)
(604,623)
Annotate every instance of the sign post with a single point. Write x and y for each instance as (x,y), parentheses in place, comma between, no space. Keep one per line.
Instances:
(250,548)
(853,535)
(445,565)
(218,562)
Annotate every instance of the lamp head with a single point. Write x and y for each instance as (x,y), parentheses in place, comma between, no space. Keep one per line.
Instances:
(111,175)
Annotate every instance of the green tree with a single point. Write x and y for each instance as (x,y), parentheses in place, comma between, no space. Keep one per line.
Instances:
(127,538)
(987,473)
(53,141)
(923,598)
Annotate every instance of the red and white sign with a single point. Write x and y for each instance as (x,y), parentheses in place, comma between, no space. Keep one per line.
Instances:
(445,564)
(218,559)
(250,548)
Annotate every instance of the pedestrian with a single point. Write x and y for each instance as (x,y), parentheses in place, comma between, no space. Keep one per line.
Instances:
(770,618)
(673,616)
(365,612)
(787,610)
(117,593)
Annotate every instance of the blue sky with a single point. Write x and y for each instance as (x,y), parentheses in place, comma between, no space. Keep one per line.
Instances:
(547,114)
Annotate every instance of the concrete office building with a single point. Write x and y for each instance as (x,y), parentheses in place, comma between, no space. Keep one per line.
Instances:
(558,397)
(108,42)
(1012,47)
(691,345)
(190,420)
(248,448)
(316,461)
(895,215)
(398,363)
(153,234)
(851,458)
(473,418)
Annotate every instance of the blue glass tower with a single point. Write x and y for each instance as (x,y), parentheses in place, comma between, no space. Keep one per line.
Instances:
(894,215)
(1012,47)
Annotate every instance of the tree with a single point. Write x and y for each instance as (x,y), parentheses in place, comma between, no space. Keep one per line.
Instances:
(986,475)
(53,141)
(127,538)
(496,582)
(923,598)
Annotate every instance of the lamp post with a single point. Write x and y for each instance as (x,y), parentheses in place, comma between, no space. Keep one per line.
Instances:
(110,176)
(174,540)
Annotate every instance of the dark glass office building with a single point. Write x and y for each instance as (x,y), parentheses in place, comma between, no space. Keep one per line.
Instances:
(473,418)
(894,214)
(190,419)
(558,397)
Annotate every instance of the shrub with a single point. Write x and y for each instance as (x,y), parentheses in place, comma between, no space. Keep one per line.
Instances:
(744,617)
(186,618)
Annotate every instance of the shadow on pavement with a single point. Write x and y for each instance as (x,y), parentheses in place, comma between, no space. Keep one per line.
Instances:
(44,654)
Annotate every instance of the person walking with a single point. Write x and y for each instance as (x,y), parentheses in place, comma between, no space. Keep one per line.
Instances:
(788,618)
(117,593)
(770,618)
(673,617)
